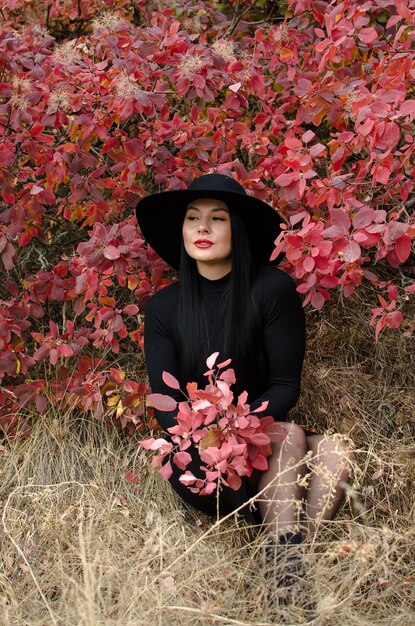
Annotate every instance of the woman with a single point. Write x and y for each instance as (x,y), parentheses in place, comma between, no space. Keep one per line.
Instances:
(229,300)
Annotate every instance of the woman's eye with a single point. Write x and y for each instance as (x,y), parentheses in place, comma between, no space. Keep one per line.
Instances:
(219,219)
(191,218)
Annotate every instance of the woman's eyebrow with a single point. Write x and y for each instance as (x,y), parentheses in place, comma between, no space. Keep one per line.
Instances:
(195,208)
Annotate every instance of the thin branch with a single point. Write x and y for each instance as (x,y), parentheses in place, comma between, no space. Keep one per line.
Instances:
(232,7)
(266,19)
(237,18)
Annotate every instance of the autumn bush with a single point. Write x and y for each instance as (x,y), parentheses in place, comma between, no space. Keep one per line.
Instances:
(309,104)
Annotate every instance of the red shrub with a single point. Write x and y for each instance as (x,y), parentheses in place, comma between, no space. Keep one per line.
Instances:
(313,111)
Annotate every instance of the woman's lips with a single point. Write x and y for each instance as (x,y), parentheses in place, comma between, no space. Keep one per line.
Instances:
(203,243)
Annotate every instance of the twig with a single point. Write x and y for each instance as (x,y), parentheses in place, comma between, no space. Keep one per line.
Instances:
(237,18)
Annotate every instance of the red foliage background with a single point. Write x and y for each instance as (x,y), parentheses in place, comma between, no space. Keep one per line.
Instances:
(310,104)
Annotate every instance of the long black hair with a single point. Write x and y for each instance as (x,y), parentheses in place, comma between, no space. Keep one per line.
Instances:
(241,322)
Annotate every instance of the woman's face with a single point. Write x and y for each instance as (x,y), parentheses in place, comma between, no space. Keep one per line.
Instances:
(207,236)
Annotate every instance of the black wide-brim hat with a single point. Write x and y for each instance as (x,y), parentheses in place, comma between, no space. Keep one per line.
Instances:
(160,216)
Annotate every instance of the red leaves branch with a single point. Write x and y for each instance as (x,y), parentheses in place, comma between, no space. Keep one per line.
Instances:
(232,441)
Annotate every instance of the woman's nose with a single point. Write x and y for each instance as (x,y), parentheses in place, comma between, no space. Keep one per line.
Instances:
(203,227)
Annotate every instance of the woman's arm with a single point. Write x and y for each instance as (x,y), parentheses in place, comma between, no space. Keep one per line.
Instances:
(284,341)
(160,349)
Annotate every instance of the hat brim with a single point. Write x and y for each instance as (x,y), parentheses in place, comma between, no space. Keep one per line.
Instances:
(160,217)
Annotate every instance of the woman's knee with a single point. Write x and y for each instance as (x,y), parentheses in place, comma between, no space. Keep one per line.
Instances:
(338,444)
(293,435)
(334,451)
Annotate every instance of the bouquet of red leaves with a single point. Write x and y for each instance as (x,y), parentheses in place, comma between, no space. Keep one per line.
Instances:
(232,441)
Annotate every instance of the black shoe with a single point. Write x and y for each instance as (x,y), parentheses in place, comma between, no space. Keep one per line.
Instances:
(285,571)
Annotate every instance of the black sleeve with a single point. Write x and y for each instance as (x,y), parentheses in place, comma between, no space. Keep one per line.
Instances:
(161,351)
(284,341)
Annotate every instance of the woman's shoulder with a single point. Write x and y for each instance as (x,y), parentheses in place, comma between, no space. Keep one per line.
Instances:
(270,279)
(164,299)
(274,291)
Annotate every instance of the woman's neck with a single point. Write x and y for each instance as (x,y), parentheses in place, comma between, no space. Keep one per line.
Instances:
(213,271)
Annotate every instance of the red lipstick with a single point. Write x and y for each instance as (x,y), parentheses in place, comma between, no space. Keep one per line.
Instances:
(203,243)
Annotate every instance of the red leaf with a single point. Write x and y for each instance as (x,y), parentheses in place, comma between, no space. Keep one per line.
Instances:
(393,319)
(262,407)
(224,364)
(210,456)
(260,462)
(211,360)
(317,149)
(210,488)
(259,439)
(234,481)
(199,405)
(381,174)
(408,108)
(41,403)
(53,355)
(368,35)
(363,218)
(228,376)
(8,196)
(112,253)
(352,252)
(308,136)
(294,143)
(393,293)
(182,459)
(131,477)
(380,325)
(155,444)
(161,402)
(166,470)
(309,264)
(404,11)
(36,189)
(366,128)
(340,218)
(131,309)
(393,20)
(284,180)
(66,350)
(317,300)
(170,380)
(235,87)
(403,248)
(187,478)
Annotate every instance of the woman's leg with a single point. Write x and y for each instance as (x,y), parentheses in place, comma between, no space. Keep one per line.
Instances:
(329,466)
(289,499)
(281,504)
(305,475)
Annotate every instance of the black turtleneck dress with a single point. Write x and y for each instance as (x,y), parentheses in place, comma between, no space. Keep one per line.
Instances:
(281,341)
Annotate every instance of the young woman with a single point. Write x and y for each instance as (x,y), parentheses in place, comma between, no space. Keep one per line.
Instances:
(230,300)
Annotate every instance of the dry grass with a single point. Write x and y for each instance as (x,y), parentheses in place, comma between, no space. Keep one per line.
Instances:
(81,547)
